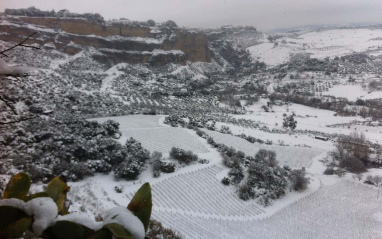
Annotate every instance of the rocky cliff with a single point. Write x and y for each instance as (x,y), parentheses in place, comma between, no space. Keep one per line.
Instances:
(117,42)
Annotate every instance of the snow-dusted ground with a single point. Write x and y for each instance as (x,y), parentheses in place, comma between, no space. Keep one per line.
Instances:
(352,92)
(295,157)
(310,119)
(194,202)
(321,44)
(341,209)
(270,54)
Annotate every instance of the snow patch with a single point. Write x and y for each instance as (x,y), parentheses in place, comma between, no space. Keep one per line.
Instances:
(125,218)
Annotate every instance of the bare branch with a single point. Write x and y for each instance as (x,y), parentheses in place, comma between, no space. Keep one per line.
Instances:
(34,47)
(19,44)
(17,121)
(9,105)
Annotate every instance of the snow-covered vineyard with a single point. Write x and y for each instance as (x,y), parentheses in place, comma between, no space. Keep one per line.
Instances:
(194,202)
(232,132)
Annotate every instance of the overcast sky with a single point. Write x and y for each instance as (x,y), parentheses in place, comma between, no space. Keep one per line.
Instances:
(263,14)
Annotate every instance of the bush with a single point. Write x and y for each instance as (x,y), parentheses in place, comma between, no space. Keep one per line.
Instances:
(118,189)
(171,24)
(245,193)
(212,142)
(156,158)
(183,156)
(128,170)
(236,175)
(353,165)
(157,231)
(167,167)
(268,156)
(298,180)
(376,180)
(225,130)
(225,181)
(329,171)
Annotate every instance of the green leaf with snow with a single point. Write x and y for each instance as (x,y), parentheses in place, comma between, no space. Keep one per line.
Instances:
(141,204)
(102,234)
(9,215)
(118,231)
(17,228)
(18,186)
(68,229)
(57,190)
(36,195)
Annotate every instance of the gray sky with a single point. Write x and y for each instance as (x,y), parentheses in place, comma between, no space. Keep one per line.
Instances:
(263,14)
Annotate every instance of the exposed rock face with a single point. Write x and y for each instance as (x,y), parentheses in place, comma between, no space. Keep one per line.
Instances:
(118,43)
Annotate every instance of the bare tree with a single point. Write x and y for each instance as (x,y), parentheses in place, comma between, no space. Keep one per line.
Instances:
(7,74)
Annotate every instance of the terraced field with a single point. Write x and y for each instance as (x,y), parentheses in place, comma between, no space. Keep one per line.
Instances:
(344,210)
(295,157)
(164,138)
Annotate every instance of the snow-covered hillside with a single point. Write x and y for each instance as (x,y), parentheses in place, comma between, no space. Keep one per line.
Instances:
(194,202)
(320,44)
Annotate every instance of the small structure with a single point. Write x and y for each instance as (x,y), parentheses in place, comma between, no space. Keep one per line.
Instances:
(321,138)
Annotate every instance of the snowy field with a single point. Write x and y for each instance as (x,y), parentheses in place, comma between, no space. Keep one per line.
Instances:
(163,139)
(270,54)
(134,121)
(321,44)
(295,157)
(154,135)
(310,119)
(194,202)
(344,210)
(352,92)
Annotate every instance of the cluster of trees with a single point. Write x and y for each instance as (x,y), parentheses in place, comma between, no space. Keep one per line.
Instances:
(159,165)
(335,105)
(355,58)
(289,122)
(303,62)
(183,156)
(264,178)
(352,153)
(34,12)
(70,146)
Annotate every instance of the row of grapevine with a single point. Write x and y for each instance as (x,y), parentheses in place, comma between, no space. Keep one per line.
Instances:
(164,138)
(342,210)
(295,157)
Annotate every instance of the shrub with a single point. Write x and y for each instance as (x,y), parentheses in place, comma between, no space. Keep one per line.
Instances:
(298,180)
(268,156)
(236,175)
(183,156)
(225,130)
(203,161)
(157,231)
(156,158)
(128,170)
(352,164)
(373,180)
(157,165)
(171,24)
(167,167)
(245,193)
(225,181)
(329,171)
(212,142)
(118,189)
